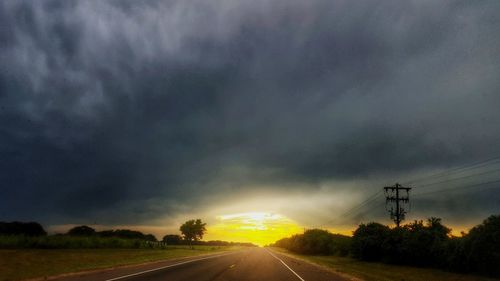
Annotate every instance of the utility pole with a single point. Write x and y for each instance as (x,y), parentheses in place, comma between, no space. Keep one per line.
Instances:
(393,197)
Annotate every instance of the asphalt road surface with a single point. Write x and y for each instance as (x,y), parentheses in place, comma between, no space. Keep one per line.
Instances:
(252,264)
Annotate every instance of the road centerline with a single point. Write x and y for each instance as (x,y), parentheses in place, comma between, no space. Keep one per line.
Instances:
(167,266)
(298,276)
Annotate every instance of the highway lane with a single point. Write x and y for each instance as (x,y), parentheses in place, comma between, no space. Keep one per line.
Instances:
(247,265)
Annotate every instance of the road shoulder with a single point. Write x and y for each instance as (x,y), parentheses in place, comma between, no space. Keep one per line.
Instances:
(128,269)
(310,268)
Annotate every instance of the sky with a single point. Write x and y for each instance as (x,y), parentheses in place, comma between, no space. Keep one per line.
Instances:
(147,113)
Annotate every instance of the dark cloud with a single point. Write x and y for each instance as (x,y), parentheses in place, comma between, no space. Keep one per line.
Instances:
(109,107)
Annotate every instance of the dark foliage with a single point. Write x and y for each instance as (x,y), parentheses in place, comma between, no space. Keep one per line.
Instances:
(22,228)
(224,243)
(367,241)
(193,230)
(316,242)
(82,230)
(431,245)
(428,244)
(127,234)
(18,235)
(481,247)
(74,242)
(172,239)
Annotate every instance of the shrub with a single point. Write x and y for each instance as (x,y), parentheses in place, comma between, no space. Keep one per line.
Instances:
(22,228)
(482,247)
(82,230)
(367,241)
(316,242)
(73,242)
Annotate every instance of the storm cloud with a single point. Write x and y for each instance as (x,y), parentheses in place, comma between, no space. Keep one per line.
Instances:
(129,111)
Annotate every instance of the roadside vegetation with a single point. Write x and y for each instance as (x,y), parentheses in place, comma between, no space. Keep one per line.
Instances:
(19,235)
(26,251)
(377,271)
(416,244)
(39,263)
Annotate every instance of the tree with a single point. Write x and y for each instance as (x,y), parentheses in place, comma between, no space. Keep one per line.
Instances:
(367,241)
(22,228)
(82,230)
(150,237)
(482,247)
(193,230)
(172,239)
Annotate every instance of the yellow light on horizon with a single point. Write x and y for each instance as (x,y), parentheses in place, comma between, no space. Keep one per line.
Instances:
(260,228)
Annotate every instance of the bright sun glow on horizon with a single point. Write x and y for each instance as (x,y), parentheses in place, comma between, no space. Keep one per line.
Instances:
(260,228)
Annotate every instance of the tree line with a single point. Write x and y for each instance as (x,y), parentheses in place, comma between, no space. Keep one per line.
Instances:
(192,233)
(22,228)
(16,235)
(84,230)
(428,244)
(33,235)
(316,242)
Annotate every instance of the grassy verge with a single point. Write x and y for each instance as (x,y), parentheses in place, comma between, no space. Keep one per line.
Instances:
(32,263)
(74,242)
(383,272)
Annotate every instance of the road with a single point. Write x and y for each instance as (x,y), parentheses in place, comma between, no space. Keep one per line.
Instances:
(247,265)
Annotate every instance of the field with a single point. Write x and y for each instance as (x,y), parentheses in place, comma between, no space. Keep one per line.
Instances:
(33,263)
(383,272)
(74,242)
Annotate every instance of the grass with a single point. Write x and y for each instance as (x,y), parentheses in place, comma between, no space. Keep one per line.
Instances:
(73,242)
(33,263)
(383,272)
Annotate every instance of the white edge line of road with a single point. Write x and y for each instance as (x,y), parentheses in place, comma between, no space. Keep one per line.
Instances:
(298,276)
(167,266)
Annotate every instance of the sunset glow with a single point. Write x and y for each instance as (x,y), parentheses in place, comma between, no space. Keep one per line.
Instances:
(260,228)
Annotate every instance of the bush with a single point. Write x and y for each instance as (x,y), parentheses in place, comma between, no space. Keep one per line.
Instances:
(172,239)
(127,234)
(419,244)
(367,241)
(22,228)
(415,243)
(482,247)
(431,245)
(316,242)
(73,242)
(82,230)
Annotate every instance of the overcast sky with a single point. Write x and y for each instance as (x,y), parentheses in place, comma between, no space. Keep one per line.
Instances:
(150,112)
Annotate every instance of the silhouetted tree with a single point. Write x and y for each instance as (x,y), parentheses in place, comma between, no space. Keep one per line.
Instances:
(127,234)
(316,242)
(193,230)
(150,237)
(106,233)
(482,247)
(367,241)
(22,228)
(172,239)
(422,244)
(82,230)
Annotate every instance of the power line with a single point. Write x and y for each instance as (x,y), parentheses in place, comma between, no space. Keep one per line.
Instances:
(356,210)
(352,216)
(349,213)
(458,169)
(460,178)
(459,187)
(348,219)
(362,204)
